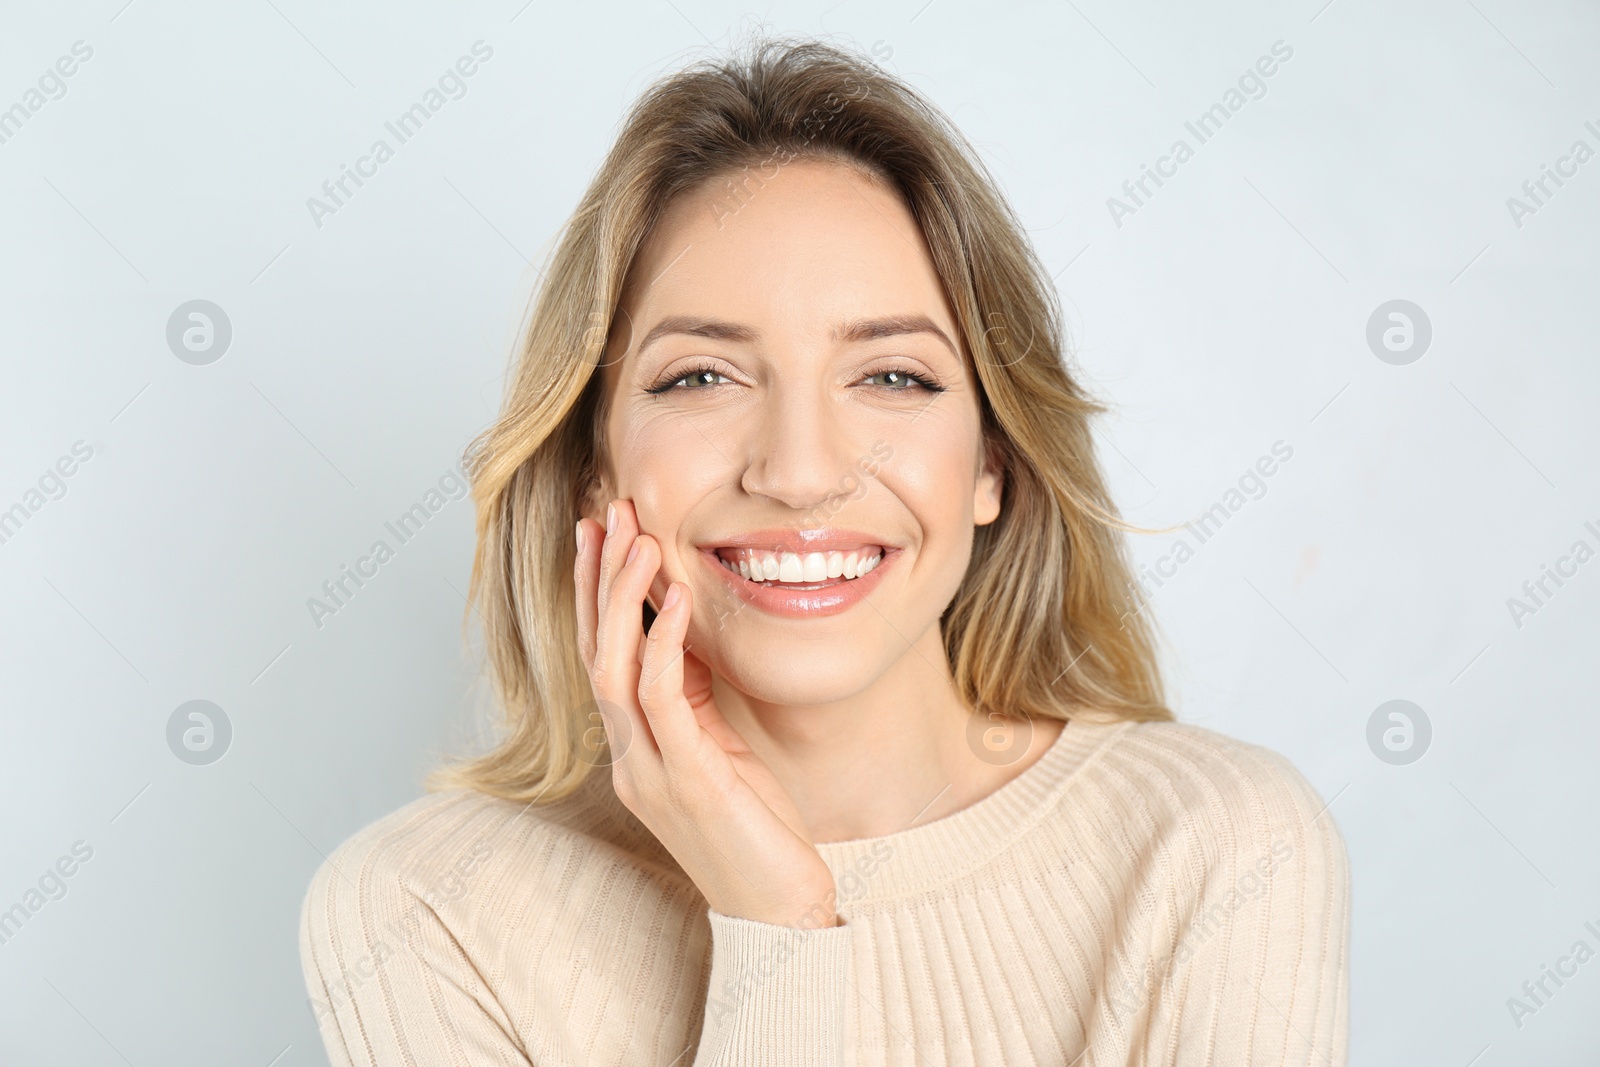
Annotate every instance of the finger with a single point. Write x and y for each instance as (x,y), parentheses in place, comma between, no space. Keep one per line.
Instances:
(613,558)
(586,577)
(615,675)
(672,721)
(615,542)
(586,580)
(696,679)
(697,691)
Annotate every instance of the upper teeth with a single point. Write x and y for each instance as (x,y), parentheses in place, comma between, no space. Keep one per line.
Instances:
(759,565)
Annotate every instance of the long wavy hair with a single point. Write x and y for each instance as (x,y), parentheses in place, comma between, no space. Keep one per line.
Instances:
(1047,622)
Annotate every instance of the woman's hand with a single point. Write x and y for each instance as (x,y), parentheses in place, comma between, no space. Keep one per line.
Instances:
(684,771)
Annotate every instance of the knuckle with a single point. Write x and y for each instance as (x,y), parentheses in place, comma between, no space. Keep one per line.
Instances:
(601,678)
(650,695)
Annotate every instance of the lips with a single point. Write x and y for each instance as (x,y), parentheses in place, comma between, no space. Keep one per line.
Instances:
(800,573)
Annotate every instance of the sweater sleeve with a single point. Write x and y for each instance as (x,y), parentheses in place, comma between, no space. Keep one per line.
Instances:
(776,995)
(388,982)
(1256,972)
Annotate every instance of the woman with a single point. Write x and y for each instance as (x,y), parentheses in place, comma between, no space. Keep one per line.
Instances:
(835,733)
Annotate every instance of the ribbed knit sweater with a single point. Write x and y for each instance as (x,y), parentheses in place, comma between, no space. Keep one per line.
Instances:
(1151,893)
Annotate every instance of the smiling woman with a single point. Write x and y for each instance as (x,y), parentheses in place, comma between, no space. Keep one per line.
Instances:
(835,732)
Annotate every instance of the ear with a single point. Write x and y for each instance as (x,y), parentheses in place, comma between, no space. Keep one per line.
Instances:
(600,487)
(990,485)
(595,497)
(599,493)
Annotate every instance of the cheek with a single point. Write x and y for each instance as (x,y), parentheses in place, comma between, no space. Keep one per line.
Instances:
(663,457)
(931,471)
(664,466)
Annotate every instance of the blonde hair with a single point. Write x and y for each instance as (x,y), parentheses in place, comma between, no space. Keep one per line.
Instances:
(1047,622)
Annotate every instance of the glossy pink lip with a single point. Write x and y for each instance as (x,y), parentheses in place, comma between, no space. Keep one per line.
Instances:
(809,601)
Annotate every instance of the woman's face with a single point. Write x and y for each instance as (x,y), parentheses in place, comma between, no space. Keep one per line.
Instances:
(765,399)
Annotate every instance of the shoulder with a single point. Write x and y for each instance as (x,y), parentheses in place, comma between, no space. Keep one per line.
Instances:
(382,880)
(415,933)
(407,850)
(1219,799)
(1223,885)
(1206,767)
(441,859)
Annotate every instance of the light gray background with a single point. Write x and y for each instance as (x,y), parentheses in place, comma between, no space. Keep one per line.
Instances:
(1227,313)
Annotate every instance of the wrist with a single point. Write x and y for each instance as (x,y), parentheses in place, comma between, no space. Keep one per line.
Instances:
(818,914)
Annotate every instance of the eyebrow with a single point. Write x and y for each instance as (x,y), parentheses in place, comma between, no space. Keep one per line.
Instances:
(855,331)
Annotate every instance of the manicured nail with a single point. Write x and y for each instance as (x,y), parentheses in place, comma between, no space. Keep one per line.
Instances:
(579,533)
(672,597)
(611,519)
(634,551)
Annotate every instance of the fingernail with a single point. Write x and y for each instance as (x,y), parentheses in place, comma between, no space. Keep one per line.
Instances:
(611,519)
(672,597)
(634,551)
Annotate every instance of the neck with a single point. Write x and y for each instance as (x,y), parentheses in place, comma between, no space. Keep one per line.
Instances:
(900,753)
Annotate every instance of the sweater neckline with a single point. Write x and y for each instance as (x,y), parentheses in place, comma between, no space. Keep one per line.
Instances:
(922,857)
(926,856)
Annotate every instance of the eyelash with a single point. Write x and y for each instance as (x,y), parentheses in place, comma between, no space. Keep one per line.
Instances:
(666,385)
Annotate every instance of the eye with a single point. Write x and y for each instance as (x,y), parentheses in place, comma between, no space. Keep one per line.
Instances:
(693,376)
(900,379)
(695,379)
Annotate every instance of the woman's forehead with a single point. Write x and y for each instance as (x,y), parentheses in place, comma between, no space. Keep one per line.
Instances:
(815,249)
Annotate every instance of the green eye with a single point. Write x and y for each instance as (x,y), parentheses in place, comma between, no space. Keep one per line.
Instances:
(688,376)
(901,379)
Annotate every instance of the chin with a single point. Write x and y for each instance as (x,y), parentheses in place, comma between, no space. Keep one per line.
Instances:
(787,672)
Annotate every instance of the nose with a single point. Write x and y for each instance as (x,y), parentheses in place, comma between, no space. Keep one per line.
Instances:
(800,451)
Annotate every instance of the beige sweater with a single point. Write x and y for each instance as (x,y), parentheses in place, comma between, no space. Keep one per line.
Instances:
(1142,894)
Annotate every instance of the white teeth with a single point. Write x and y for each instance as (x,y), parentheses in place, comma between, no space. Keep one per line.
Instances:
(763,566)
